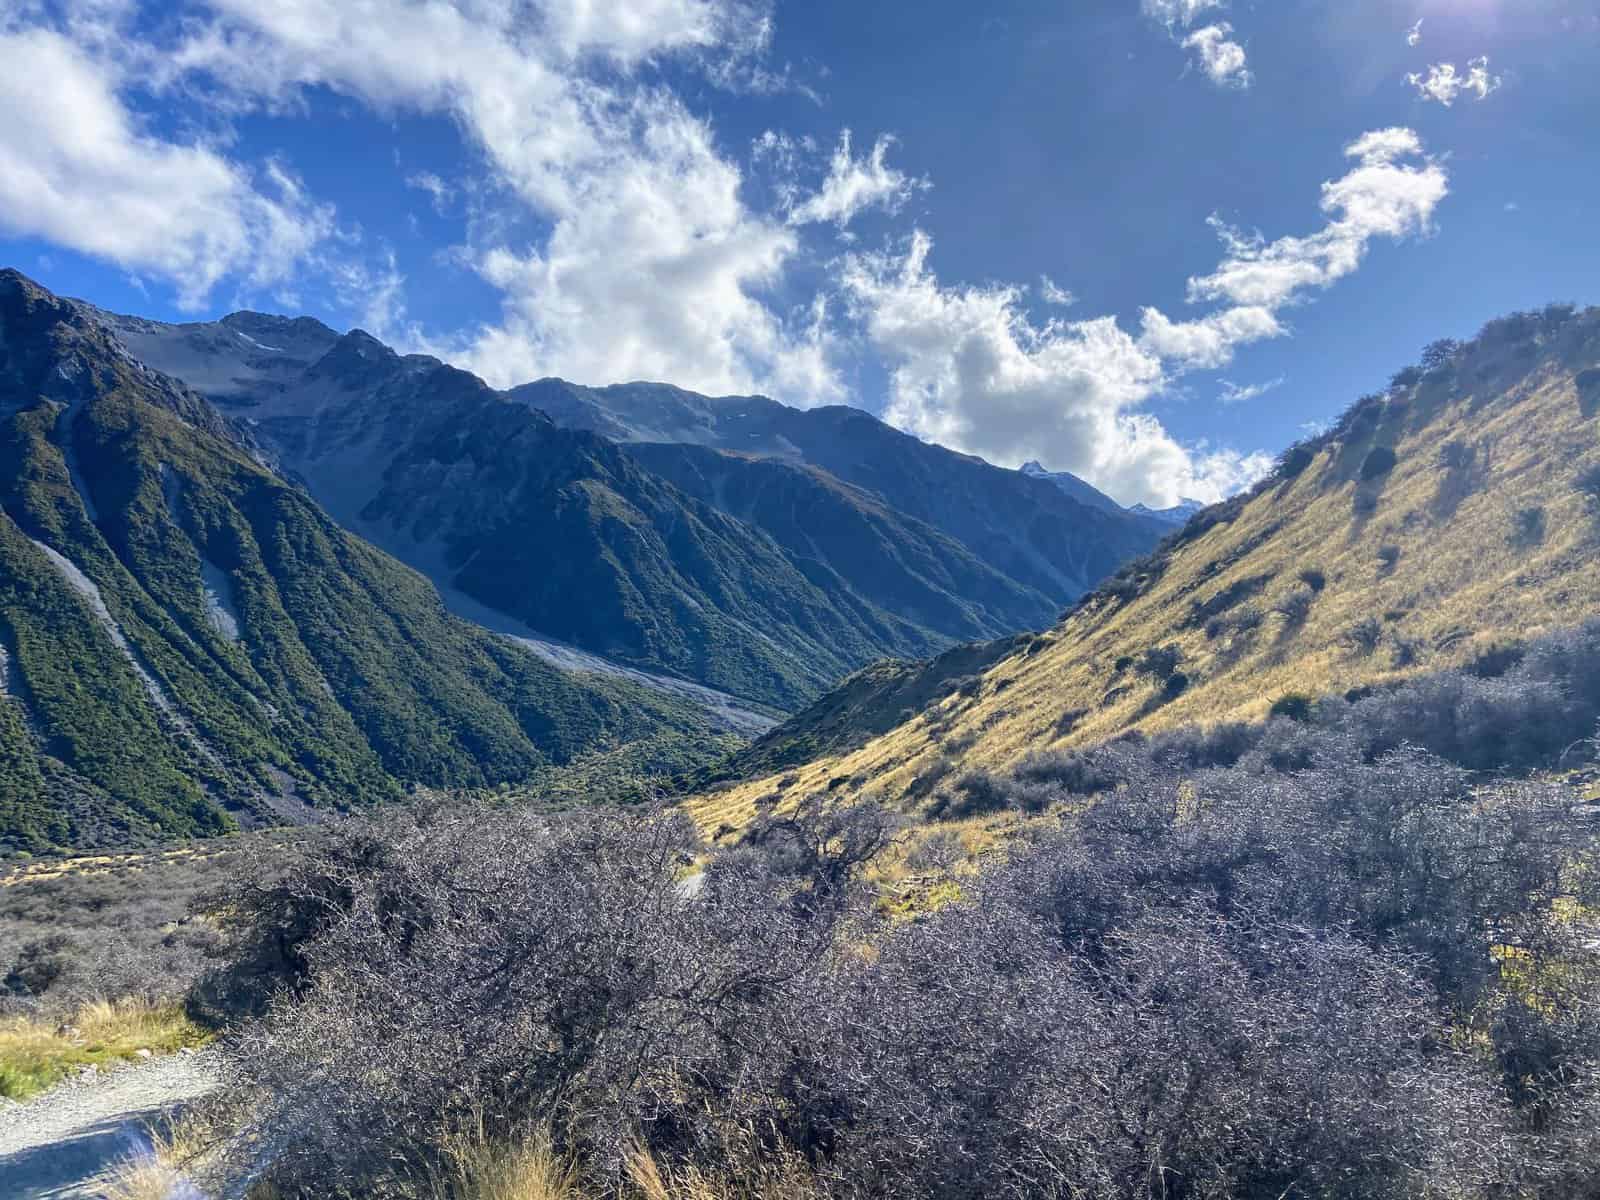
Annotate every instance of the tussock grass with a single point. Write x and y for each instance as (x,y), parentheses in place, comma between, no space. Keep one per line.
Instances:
(161,1171)
(480,1168)
(1462,583)
(35,1054)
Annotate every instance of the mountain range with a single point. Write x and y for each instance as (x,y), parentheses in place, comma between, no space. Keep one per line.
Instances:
(253,570)
(735,542)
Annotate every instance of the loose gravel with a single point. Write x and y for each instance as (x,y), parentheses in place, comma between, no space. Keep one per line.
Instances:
(55,1145)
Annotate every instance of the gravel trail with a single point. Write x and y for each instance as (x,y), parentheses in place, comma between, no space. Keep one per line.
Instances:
(55,1145)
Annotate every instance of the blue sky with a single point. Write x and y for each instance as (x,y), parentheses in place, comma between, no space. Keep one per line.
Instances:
(1147,241)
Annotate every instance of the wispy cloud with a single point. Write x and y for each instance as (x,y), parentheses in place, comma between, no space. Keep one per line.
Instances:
(440,192)
(1443,83)
(854,185)
(1414,34)
(1055,294)
(1233,393)
(1211,47)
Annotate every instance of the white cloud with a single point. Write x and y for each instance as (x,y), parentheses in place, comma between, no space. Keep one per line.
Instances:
(647,262)
(969,368)
(854,185)
(79,169)
(1391,192)
(1211,47)
(1222,59)
(1414,34)
(1444,84)
(1055,294)
(1233,393)
(440,192)
(1177,13)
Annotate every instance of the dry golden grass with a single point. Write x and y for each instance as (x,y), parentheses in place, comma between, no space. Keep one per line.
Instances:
(481,1168)
(35,1054)
(162,1171)
(100,864)
(1461,584)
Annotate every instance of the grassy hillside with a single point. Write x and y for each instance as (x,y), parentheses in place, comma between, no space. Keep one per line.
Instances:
(189,641)
(1457,510)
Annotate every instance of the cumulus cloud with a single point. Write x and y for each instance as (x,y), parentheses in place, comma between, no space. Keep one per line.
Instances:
(854,185)
(1222,59)
(1443,83)
(79,169)
(970,369)
(646,263)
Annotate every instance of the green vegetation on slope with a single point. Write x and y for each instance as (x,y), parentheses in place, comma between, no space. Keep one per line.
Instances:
(132,710)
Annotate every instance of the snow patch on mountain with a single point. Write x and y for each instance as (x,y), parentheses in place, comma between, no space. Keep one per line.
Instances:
(1178,514)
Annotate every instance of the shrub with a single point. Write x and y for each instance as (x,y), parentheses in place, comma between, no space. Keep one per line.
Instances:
(1588,486)
(975,793)
(1436,356)
(1296,607)
(1458,454)
(1294,706)
(1292,462)
(1068,721)
(1406,377)
(1313,579)
(1255,966)
(1159,662)
(1380,460)
(1363,637)
(1528,526)
(1388,557)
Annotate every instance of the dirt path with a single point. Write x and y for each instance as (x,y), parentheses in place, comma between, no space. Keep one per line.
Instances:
(54,1146)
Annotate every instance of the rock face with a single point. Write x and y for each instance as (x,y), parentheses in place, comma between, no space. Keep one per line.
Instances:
(735,542)
(190,642)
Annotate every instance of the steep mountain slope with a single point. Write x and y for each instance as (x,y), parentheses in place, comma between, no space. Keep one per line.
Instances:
(903,565)
(872,701)
(555,529)
(186,640)
(1455,512)
(1056,541)
(534,527)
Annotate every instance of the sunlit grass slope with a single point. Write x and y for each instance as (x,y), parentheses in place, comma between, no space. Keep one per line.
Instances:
(1455,511)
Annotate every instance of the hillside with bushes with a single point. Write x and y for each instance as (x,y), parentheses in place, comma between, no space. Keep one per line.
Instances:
(189,644)
(828,541)
(1440,520)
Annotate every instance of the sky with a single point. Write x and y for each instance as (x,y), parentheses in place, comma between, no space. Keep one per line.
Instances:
(1150,242)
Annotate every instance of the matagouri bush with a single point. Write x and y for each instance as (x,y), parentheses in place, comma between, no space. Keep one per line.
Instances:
(1325,957)
(116,928)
